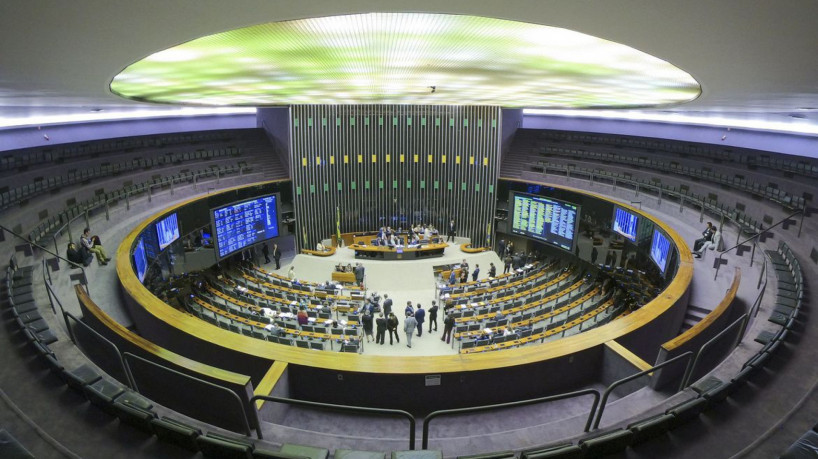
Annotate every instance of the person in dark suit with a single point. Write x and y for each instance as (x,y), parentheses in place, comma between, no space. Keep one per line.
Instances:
(451,232)
(392,326)
(433,316)
(387,305)
(475,273)
(452,278)
(380,329)
(420,317)
(359,274)
(276,256)
(492,270)
(266,252)
(448,325)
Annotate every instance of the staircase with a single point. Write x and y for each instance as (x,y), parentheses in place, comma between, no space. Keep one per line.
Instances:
(693,315)
(258,152)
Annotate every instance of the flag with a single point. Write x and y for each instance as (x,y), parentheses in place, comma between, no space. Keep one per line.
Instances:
(304,228)
(338,226)
(488,234)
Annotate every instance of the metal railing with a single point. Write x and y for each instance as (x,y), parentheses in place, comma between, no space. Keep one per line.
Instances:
(618,383)
(689,373)
(67,315)
(231,394)
(333,407)
(550,398)
(754,238)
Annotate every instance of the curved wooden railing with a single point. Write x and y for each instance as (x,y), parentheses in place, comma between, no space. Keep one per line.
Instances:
(330,251)
(157,315)
(467,248)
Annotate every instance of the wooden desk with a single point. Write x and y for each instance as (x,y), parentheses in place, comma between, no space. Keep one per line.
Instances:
(378,252)
(346,278)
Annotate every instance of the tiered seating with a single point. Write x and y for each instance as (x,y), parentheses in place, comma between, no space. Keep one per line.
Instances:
(19,289)
(52,225)
(20,194)
(522,280)
(774,194)
(238,304)
(790,286)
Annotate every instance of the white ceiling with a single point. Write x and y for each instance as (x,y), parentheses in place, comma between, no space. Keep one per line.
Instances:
(755,59)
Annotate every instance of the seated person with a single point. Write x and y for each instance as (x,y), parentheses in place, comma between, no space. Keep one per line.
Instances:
(78,256)
(711,244)
(319,247)
(93,245)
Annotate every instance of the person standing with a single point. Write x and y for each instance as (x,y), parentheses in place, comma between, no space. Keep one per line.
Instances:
(451,232)
(475,273)
(392,326)
(409,325)
(266,252)
(420,317)
(452,278)
(448,326)
(366,320)
(501,248)
(276,255)
(409,309)
(507,263)
(380,329)
(433,316)
(359,274)
(492,270)
(291,273)
(387,305)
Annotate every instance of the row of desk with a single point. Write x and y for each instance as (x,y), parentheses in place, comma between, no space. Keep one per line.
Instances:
(542,335)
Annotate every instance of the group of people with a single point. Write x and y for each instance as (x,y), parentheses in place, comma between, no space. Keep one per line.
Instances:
(464,273)
(710,239)
(90,246)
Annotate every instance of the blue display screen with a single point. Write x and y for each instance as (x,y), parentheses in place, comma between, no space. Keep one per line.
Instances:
(140,260)
(545,219)
(624,223)
(167,230)
(659,250)
(244,223)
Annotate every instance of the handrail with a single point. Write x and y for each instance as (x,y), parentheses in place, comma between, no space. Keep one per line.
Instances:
(550,398)
(618,383)
(334,407)
(689,374)
(34,244)
(763,276)
(754,236)
(67,315)
(178,373)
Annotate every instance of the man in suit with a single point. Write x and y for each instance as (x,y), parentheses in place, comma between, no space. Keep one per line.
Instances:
(448,325)
(433,316)
(420,317)
(387,305)
(265,250)
(452,278)
(276,256)
(475,273)
(492,270)
(380,329)
(359,274)
(451,233)
(707,236)
(409,325)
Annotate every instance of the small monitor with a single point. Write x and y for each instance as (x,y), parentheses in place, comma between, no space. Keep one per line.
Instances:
(624,223)
(659,250)
(167,230)
(140,260)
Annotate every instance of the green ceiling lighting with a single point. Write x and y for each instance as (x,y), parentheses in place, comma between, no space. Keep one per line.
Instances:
(405,58)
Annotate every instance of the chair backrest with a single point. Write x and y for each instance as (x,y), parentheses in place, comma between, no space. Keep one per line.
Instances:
(717,242)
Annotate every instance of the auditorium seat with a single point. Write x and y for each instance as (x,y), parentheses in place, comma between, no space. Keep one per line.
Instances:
(606,443)
(134,415)
(175,432)
(220,447)
(310,452)
(497,455)
(417,454)
(651,427)
(561,451)
(357,454)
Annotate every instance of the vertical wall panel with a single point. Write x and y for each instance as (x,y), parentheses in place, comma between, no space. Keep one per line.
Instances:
(349,157)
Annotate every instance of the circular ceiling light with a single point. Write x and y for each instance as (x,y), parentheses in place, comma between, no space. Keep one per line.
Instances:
(405,58)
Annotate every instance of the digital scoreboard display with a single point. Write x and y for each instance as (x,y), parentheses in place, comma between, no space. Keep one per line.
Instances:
(244,223)
(624,223)
(659,250)
(545,219)
(140,260)
(167,230)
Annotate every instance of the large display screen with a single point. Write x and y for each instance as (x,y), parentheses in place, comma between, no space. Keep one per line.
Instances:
(625,223)
(545,219)
(659,250)
(140,260)
(167,230)
(244,223)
